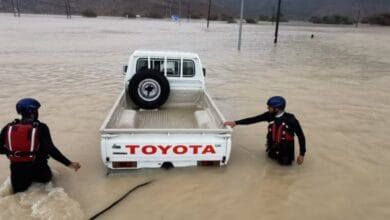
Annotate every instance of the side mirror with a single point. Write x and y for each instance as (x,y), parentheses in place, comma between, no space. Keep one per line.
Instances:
(124,69)
(204,71)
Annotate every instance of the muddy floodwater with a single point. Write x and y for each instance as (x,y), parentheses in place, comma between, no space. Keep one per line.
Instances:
(337,84)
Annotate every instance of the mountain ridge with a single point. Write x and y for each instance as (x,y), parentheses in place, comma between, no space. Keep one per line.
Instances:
(292,9)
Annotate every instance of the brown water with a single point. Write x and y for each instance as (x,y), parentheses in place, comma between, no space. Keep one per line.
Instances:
(337,84)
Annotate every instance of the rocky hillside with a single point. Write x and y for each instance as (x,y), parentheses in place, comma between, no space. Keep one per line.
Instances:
(158,8)
(304,9)
(292,9)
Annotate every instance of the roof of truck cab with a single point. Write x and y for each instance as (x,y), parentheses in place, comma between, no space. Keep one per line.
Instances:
(161,53)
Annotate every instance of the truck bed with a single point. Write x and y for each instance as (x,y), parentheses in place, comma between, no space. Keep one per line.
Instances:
(198,114)
(166,118)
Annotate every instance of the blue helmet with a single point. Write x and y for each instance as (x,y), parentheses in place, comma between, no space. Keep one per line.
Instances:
(277,102)
(27,106)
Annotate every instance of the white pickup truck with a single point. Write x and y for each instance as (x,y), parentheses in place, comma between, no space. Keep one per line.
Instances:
(164,117)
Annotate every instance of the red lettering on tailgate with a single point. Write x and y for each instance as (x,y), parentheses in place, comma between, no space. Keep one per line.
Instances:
(176,149)
(195,148)
(208,149)
(132,148)
(149,149)
(164,149)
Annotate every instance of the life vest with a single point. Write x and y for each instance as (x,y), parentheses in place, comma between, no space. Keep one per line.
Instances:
(280,134)
(22,141)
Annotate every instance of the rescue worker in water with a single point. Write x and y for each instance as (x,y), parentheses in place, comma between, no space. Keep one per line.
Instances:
(281,129)
(28,145)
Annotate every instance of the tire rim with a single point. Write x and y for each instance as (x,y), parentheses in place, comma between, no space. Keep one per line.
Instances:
(149,90)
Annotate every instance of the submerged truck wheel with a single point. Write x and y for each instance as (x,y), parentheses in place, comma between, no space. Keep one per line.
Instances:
(167,165)
(149,89)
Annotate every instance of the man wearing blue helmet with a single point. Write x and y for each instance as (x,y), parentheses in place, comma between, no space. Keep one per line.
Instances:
(281,129)
(28,145)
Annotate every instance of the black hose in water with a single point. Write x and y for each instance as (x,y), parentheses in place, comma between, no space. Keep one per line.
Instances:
(120,199)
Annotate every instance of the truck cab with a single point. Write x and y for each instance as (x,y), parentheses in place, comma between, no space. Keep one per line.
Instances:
(183,71)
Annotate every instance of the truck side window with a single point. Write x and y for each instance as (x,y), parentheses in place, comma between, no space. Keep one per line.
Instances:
(141,64)
(157,64)
(188,68)
(173,68)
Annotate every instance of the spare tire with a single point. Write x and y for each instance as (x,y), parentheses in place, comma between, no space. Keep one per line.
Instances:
(149,89)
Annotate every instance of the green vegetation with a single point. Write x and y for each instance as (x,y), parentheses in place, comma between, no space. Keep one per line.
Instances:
(129,15)
(222,17)
(334,19)
(154,14)
(89,13)
(272,18)
(227,18)
(264,18)
(250,21)
(281,19)
(213,18)
(196,16)
(381,19)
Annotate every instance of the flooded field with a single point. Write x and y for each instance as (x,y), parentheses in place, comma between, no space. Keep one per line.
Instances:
(336,84)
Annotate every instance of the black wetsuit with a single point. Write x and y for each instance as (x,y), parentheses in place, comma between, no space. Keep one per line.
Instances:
(24,173)
(284,151)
